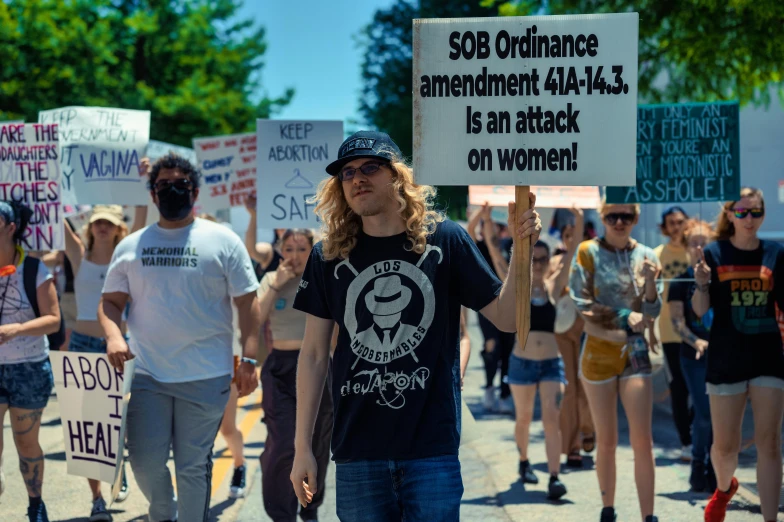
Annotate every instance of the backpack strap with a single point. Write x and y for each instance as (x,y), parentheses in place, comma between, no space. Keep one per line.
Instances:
(30,274)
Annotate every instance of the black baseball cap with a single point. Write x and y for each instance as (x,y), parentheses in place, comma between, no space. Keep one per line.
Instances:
(364,144)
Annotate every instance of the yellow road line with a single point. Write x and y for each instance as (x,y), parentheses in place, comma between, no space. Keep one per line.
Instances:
(225,463)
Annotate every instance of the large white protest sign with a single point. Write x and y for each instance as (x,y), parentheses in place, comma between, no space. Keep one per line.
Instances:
(30,174)
(93,400)
(228,167)
(100,152)
(158,149)
(292,161)
(526,100)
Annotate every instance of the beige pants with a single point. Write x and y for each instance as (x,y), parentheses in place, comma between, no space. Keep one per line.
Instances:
(576,419)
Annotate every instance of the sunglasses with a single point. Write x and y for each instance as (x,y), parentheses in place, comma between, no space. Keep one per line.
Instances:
(756,213)
(541,260)
(368,169)
(612,219)
(180,184)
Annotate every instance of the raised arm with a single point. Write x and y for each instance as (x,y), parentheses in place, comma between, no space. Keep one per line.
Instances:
(500,265)
(312,369)
(473,221)
(271,285)
(260,252)
(559,279)
(74,248)
(139,218)
(700,301)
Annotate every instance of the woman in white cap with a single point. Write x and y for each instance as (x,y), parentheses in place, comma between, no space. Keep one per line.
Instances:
(90,261)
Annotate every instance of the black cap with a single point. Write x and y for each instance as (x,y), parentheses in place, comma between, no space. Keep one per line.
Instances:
(364,144)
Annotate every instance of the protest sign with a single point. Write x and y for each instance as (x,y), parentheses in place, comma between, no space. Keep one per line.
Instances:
(100,152)
(93,400)
(30,174)
(158,149)
(525,100)
(546,197)
(686,153)
(292,162)
(228,167)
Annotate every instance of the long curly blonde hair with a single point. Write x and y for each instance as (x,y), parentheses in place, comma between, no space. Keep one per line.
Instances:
(341,225)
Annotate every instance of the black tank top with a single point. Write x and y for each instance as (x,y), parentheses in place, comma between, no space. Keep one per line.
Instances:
(543,317)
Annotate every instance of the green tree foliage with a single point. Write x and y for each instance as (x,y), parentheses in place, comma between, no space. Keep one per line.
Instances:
(387,68)
(191,63)
(694,50)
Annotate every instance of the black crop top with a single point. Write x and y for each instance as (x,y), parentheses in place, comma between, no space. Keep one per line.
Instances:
(543,317)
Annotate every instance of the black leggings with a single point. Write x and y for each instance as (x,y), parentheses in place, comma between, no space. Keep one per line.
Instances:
(504,343)
(679,393)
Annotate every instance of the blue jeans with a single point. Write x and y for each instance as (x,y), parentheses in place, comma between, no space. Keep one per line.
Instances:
(702,433)
(427,489)
(84,343)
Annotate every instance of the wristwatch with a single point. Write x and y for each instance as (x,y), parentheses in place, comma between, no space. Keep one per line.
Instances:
(248,360)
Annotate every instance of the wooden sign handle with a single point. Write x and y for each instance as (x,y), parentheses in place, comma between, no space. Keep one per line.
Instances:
(522,257)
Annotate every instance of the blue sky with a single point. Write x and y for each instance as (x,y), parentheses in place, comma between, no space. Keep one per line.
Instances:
(311,46)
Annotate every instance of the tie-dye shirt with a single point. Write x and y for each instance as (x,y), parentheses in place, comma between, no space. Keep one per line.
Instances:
(607,284)
(745,289)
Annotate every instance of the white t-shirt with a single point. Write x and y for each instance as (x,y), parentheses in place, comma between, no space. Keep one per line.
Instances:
(180,283)
(16,309)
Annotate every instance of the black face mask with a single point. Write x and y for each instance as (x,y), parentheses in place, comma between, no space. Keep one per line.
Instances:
(174,204)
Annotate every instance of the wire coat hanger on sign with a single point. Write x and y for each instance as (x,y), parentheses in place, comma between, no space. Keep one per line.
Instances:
(298,181)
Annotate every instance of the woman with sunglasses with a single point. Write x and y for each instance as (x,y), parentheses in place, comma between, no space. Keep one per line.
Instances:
(613,284)
(694,331)
(539,365)
(278,383)
(739,276)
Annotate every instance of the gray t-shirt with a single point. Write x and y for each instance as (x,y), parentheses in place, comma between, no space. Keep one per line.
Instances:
(181,282)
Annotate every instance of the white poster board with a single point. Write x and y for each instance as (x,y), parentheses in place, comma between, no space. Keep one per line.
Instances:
(292,162)
(30,174)
(158,149)
(228,167)
(100,152)
(548,100)
(93,400)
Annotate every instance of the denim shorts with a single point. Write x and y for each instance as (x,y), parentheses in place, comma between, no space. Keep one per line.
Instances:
(85,343)
(525,372)
(26,386)
(743,386)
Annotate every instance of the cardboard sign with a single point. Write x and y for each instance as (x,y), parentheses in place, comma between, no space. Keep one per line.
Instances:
(292,162)
(526,100)
(546,197)
(228,167)
(30,174)
(93,400)
(158,149)
(100,152)
(686,153)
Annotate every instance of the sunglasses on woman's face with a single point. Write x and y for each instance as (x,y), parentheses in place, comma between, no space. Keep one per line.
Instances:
(756,213)
(612,219)
(368,169)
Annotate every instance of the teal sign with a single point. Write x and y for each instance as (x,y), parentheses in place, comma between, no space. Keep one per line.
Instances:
(686,153)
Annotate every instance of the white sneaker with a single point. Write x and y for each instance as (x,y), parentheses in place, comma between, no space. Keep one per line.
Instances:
(506,405)
(2,477)
(489,403)
(686,453)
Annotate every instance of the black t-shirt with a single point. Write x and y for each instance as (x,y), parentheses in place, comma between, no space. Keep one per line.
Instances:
(683,291)
(745,288)
(396,385)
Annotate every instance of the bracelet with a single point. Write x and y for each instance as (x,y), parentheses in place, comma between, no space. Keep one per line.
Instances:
(703,288)
(248,360)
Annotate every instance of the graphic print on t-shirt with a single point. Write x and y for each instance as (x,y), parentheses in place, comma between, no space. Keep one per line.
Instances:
(750,286)
(389,308)
(170,256)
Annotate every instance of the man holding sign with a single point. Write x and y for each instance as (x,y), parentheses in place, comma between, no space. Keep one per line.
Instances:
(180,276)
(393,273)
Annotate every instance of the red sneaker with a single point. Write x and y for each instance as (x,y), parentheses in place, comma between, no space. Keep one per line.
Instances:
(717,505)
